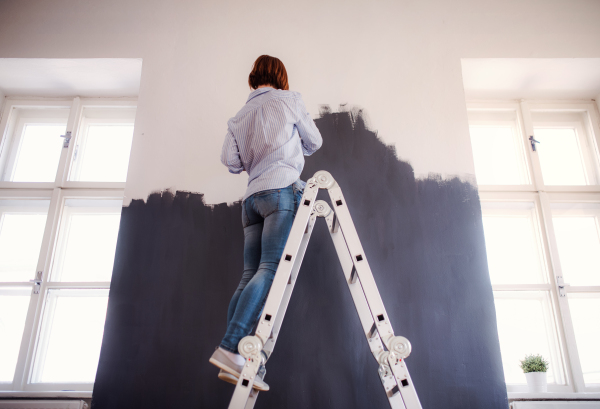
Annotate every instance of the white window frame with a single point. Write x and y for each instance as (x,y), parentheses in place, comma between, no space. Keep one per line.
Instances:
(17,140)
(81,142)
(543,195)
(77,105)
(57,192)
(552,332)
(585,142)
(524,167)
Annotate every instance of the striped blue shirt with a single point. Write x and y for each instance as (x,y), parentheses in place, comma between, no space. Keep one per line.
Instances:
(269,138)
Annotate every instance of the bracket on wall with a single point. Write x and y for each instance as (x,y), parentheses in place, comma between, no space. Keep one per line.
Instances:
(67,137)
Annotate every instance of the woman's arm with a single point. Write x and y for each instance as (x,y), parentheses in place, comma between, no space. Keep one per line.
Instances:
(230,154)
(310,136)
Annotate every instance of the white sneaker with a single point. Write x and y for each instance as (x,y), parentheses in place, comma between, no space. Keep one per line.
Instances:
(227,377)
(230,371)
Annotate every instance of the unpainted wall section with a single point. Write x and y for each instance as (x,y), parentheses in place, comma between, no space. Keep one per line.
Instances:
(400,60)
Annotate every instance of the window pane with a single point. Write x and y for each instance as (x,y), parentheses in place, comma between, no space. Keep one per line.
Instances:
(579,249)
(103,154)
(39,153)
(512,246)
(71,337)
(585,310)
(560,156)
(14,303)
(88,239)
(496,153)
(525,326)
(22,225)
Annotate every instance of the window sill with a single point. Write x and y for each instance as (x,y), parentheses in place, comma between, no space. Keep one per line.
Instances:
(48,394)
(553,396)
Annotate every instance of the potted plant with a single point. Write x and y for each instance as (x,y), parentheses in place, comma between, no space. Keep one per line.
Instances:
(535,367)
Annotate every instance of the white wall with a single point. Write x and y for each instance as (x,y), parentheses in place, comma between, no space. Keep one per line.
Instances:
(400,60)
(2,98)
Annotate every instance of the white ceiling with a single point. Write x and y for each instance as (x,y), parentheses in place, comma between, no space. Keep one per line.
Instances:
(531,78)
(62,77)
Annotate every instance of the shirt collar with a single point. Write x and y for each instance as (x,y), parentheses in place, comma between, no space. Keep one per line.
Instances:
(259,91)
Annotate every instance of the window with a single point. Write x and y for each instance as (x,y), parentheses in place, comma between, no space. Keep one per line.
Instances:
(22,224)
(518,267)
(63,166)
(576,228)
(33,149)
(529,314)
(106,134)
(565,149)
(537,169)
(497,148)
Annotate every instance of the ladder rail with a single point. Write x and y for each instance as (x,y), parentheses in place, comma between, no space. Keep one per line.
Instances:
(386,376)
(252,397)
(356,290)
(359,259)
(278,297)
(406,386)
(287,262)
(270,344)
(393,365)
(376,307)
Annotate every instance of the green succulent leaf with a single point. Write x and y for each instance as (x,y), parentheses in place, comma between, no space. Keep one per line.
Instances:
(534,363)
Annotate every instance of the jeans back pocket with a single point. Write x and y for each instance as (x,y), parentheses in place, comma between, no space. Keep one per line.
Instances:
(267,202)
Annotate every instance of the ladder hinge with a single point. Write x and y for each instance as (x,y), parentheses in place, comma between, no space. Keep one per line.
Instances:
(67,137)
(37,282)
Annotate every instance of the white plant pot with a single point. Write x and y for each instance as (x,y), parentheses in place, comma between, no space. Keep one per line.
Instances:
(537,381)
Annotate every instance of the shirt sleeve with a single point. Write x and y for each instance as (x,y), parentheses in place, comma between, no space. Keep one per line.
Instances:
(310,136)
(230,155)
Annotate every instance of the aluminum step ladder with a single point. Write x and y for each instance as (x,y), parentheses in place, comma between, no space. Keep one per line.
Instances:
(388,349)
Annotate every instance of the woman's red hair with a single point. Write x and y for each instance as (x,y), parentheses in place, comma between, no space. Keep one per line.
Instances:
(268,70)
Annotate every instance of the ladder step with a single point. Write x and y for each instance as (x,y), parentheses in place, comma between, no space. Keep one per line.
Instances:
(353,275)
(335,226)
(372,331)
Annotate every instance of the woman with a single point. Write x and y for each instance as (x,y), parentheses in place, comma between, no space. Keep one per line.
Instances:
(268,138)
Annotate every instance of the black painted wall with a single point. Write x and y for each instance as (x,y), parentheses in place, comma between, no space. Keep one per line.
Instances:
(178,262)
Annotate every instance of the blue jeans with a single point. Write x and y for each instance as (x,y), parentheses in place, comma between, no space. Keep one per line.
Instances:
(267,218)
